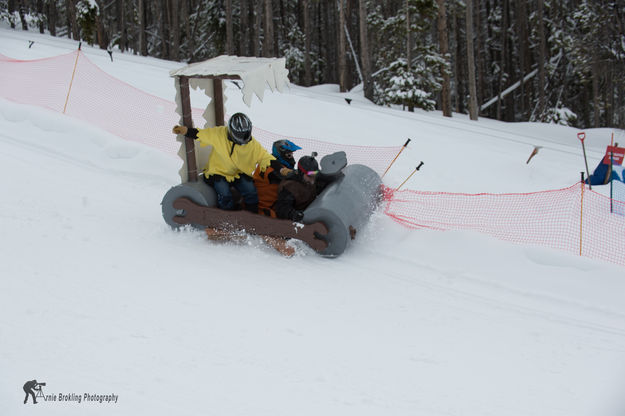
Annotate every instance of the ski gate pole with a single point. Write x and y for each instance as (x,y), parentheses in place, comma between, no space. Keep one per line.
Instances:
(581,136)
(612,167)
(611,181)
(401,150)
(409,176)
(611,185)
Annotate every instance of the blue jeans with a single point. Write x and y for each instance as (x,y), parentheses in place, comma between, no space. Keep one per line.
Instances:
(245,185)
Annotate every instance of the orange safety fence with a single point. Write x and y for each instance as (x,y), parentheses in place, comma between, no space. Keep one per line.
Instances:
(127,112)
(559,219)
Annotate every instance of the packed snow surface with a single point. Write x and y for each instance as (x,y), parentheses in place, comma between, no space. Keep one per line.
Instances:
(98,296)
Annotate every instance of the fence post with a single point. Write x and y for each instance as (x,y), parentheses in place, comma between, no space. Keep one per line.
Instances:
(581,216)
(72,80)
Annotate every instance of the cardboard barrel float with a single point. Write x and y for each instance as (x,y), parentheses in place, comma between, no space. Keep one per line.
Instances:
(330,222)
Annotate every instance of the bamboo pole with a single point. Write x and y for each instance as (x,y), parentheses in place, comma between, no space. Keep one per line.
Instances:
(401,150)
(72,80)
(409,176)
(581,216)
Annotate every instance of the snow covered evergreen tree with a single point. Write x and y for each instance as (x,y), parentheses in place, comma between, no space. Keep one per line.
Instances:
(413,84)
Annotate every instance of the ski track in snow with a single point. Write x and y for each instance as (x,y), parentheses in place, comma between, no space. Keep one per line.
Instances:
(477,287)
(500,297)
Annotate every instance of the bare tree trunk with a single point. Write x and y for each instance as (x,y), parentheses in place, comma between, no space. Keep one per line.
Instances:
(506,61)
(480,50)
(22,12)
(257,27)
(584,114)
(229,34)
(268,50)
(189,31)
(444,48)
(73,22)
(51,16)
(408,44)
(11,9)
(621,107)
(523,48)
(595,92)
(101,34)
(473,110)
(143,43)
(40,13)
(244,31)
(609,99)
(459,63)
(164,29)
(342,49)
(490,87)
(364,51)
(330,42)
(510,104)
(542,55)
(175,30)
(121,16)
(99,27)
(408,35)
(307,42)
(284,27)
(502,62)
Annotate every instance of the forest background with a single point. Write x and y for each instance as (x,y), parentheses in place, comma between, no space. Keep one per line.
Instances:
(559,61)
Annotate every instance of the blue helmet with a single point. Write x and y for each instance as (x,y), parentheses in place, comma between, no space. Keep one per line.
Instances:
(283,151)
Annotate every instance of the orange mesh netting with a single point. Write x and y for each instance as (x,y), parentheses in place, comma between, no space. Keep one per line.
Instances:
(127,112)
(551,218)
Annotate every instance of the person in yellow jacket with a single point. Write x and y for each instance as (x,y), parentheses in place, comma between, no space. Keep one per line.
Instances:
(234,157)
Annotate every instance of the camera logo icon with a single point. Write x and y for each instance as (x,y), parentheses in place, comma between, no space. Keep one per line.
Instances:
(32,386)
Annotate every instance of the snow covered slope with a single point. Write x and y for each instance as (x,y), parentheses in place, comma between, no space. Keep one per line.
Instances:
(99,296)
